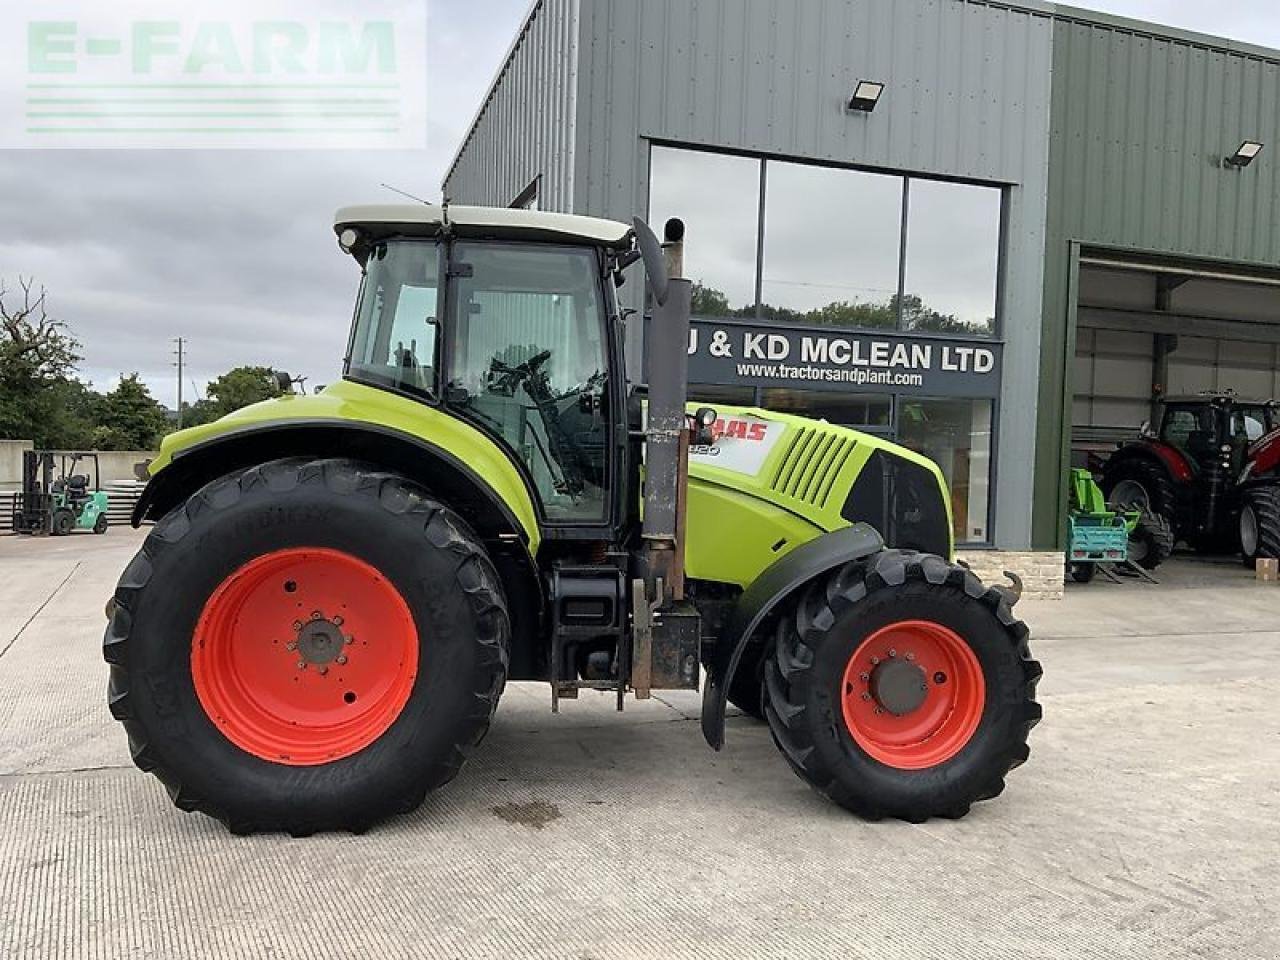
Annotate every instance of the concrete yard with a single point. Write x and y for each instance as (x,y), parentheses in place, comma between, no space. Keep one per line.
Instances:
(1145,824)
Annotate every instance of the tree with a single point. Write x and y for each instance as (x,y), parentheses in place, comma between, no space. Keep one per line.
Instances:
(238,387)
(129,418)
(241,387)
(709,302)
(39,397)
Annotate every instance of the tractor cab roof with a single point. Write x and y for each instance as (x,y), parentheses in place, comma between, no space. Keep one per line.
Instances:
(1220,397)
(378,221)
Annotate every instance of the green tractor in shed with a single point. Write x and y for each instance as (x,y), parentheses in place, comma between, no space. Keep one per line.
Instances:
(317,631)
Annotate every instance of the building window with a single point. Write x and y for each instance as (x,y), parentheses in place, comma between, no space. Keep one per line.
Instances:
(862,411)
(832,240)
(953,249)
(826,246)
(718,198)
(956,435)
(712,395)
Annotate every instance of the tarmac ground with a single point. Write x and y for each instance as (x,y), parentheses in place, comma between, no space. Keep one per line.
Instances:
(1144,825)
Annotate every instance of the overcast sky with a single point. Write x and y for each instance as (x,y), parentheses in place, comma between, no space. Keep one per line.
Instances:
(234,249)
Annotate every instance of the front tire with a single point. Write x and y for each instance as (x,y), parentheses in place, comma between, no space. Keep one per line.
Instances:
(902,687)
(746,689)
(63,522)
(1260,524)
(100,525)
(1151,542)
(307,646)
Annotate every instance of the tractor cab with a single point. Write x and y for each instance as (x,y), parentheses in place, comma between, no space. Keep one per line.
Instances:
(1217,428)
(508,320)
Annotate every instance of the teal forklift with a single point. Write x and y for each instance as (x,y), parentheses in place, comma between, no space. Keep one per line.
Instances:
(57,497)
(1104,539)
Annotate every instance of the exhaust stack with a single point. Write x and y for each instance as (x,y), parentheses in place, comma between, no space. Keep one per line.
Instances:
(666,436)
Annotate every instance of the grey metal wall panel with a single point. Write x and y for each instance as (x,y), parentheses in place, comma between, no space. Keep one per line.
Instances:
(967,84)
(1140,127)
(967,96)
(1140,124)
(526,127)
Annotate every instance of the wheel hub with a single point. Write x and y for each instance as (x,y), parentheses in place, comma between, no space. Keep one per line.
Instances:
(899,686)
(913,694)
(320,641)
(303,688)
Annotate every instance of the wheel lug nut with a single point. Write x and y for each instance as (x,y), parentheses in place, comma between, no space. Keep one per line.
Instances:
(879,710)
(297,624)
(893,653)
(341,660)
(864,677)
(302,664)
(317,615)
(866,696)
(337,621)
(323,671)
(875,661)
(350,640)
(291,645)
(911,656)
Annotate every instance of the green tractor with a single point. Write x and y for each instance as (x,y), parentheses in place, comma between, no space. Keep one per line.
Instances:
(317,631)
(56,499)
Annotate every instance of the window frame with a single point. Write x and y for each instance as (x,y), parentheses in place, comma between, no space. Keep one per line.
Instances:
(431,397)
(764,160)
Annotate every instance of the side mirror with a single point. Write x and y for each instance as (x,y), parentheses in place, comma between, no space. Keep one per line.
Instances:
(655,262)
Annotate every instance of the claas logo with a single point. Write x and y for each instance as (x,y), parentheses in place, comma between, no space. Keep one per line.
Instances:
(740,430)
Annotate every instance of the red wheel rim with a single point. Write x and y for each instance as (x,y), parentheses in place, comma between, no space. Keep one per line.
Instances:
(941,673)
(304,656)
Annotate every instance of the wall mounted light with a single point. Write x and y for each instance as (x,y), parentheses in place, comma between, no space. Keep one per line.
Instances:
(1245,155)
(866,95)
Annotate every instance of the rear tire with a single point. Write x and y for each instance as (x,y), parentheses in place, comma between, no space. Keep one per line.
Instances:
(877,767)
(1152,541)
(1083,572)
(1134,483)
(212,748)
(1260,524)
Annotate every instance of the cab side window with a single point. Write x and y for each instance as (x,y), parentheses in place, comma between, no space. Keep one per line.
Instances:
(528,363)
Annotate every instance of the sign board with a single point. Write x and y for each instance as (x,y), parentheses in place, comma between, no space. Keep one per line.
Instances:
(738,353)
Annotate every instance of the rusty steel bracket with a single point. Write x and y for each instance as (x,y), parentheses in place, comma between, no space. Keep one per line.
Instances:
(642,639)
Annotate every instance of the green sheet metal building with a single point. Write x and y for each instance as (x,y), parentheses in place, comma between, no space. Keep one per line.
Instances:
(1034,201)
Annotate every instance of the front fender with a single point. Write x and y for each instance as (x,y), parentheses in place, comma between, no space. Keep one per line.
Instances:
(778,582)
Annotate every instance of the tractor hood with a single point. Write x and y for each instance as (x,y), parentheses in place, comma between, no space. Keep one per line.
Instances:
(772,481)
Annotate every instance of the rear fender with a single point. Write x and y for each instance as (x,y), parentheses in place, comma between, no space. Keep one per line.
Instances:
(439,471)
(763,597)
(1173,460)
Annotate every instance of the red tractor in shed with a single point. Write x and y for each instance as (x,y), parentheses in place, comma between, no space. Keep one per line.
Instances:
(1212,469)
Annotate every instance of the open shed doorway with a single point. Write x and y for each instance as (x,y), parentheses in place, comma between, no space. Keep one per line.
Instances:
(1157,337)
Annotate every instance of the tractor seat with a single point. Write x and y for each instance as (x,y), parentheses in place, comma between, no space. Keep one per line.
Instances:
(78,483)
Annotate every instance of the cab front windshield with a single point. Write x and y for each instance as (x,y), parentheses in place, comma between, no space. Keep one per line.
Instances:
(525,346)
